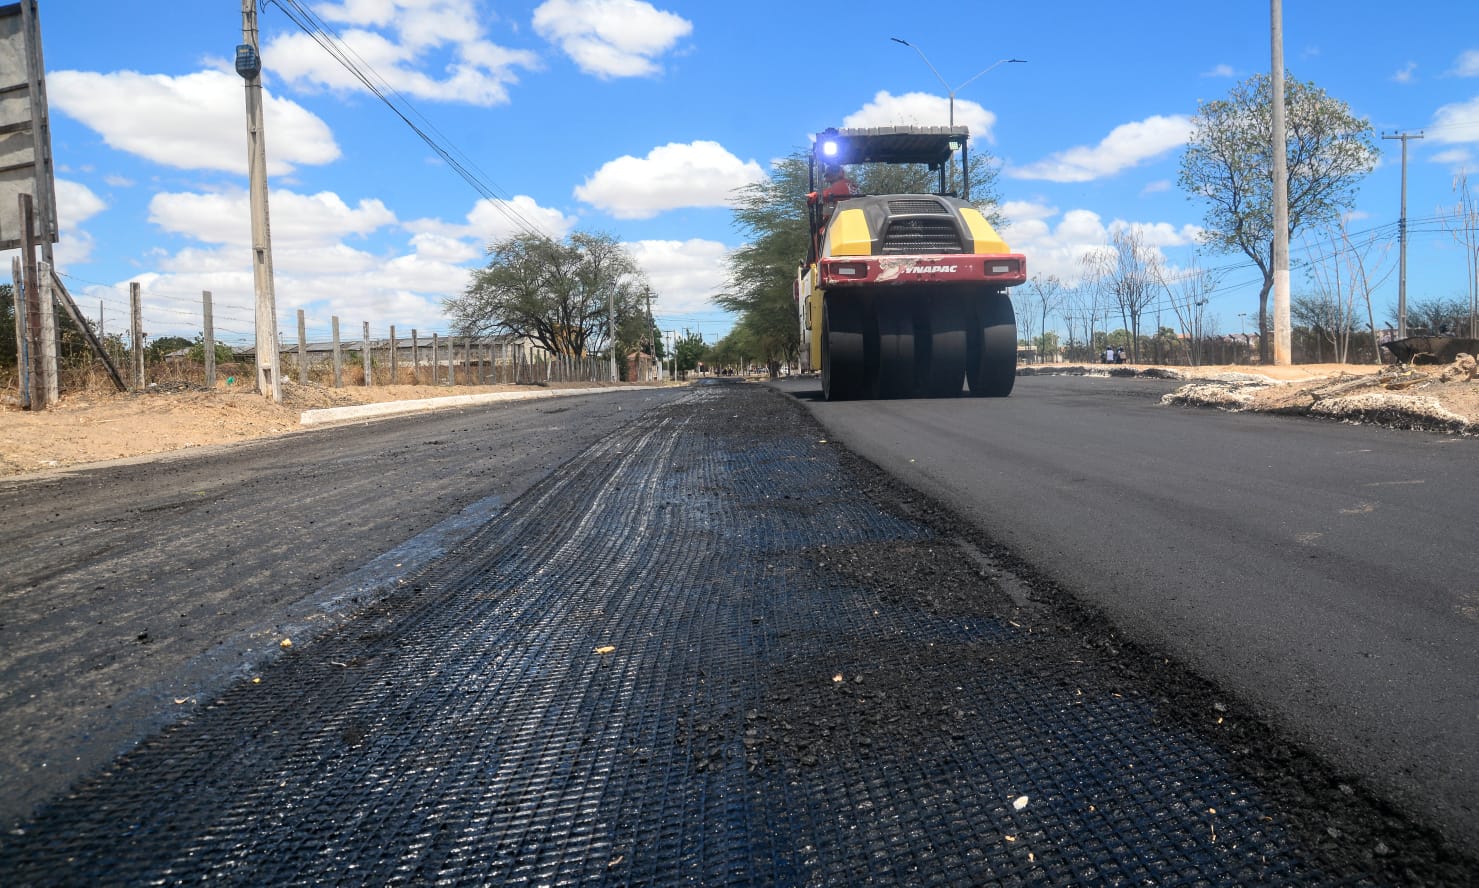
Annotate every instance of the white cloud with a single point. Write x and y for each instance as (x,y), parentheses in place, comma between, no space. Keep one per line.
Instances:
(1156,187)
(611,38)
(1467,64)
(490,221)
(299,221)
(405,292)
(444,248)
(194,122)
(1018,211)
(1220,71)
(1160,234)
(1456,123)
(699,174)
(75,203)
(1053,249)
(1406,74)
(684,275)
(399,41)
(1126,146)
(1456,157)
(1060,249)
(922,109)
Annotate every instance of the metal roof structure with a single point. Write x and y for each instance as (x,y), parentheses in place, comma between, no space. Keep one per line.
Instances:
(891,144)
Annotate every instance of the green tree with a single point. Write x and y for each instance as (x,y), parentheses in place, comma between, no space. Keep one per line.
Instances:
(159,348)
(1047,345)
(688,350)
(556,293)
(1228,164)
(771,214)
(223,351)
(1429,316)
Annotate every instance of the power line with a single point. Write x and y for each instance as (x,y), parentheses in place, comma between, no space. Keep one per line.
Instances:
(340,51)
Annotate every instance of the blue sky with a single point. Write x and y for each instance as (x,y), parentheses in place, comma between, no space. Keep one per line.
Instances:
(639,118)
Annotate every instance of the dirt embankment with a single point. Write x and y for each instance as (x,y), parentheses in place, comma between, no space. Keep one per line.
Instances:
(1435,398)
(104,425)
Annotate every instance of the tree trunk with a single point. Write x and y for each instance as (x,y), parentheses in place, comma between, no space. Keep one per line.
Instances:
(1268,284)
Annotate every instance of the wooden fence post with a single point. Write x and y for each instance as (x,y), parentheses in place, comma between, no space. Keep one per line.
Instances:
(48,333)
(395,358)
(369,378)
(415,358)
(436,373)
(338,356)
(22,358)
(208,338)
(33,302)
(302,349)
(49,341)
(136,331)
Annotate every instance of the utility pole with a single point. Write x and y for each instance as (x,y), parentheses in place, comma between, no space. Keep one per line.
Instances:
(1402,239)
(652,329)
(611,323)
(1282,338)
(249,66)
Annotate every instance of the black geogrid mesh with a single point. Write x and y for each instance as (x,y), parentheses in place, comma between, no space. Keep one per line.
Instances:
(760,719)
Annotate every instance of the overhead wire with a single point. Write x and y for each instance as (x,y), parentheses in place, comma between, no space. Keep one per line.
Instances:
(335,45)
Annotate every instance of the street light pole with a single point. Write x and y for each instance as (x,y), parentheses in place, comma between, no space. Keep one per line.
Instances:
(948,90)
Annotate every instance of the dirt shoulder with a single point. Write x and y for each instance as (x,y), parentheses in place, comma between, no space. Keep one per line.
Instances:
(97,426)
(104,425)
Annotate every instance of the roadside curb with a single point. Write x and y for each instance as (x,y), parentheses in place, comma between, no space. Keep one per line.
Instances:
(324,415)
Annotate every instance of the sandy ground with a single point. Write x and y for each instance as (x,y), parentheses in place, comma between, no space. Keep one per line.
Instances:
(96,426)
(104,425)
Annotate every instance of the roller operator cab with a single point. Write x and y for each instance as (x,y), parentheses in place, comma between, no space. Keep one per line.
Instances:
(904,295)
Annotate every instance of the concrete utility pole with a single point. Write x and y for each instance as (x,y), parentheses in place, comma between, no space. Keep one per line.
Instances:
(611,322)
(1282,339)
(249,66)
(1402,240)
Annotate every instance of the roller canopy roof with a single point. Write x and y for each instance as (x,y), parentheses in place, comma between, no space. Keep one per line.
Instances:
(891,144)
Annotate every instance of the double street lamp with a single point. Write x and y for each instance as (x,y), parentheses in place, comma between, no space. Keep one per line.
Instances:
(951,92)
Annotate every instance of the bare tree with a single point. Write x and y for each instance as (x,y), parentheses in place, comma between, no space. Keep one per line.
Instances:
(1128,271)
(1044,295)
(1343,275)
(1462,221)
(1089,302)
(1188,292)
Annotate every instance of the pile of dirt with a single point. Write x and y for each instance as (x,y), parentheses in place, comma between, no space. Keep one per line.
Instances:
(1400,396)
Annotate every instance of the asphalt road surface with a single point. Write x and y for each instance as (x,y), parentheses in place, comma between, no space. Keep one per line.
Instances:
(130,586)
(690,636)
(1326,574)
